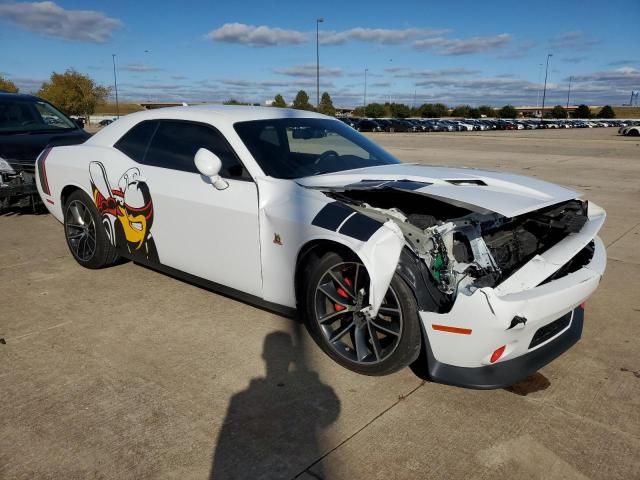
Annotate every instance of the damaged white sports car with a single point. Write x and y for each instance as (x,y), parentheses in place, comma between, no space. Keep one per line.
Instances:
(485,273)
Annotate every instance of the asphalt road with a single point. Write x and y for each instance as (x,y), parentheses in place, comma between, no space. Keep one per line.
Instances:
(127,373)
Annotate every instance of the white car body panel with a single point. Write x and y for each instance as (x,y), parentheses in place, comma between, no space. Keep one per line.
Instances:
(291,221)
(212,234)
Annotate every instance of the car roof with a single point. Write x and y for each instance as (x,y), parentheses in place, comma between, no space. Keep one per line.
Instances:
(21,96)
(218,115)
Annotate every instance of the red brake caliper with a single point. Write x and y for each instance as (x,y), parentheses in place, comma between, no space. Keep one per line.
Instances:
(343,294)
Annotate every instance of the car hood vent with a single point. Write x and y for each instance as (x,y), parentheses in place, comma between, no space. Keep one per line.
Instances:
(463,182)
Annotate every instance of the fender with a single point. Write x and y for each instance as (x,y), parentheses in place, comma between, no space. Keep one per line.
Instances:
(380,255)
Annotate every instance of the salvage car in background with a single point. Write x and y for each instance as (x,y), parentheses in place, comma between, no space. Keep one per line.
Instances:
(485,273)
(28,124)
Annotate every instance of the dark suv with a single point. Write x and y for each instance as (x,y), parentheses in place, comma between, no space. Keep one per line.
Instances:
(28,124)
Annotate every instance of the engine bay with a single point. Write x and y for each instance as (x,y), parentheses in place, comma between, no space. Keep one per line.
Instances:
(465,249)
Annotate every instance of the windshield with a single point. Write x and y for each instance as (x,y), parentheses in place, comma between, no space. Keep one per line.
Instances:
(25,115)
(300,147)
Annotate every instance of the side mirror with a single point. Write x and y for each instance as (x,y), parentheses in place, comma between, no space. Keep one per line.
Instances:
(209,165)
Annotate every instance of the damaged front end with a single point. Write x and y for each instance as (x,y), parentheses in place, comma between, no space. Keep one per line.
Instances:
(465,248)
(17,185)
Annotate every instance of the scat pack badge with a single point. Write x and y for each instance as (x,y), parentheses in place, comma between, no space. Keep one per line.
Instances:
(127,211)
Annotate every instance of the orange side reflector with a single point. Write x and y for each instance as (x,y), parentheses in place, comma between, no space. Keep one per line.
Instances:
(448,329)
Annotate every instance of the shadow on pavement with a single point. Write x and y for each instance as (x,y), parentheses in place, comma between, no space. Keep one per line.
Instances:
(271,428)
(19,211)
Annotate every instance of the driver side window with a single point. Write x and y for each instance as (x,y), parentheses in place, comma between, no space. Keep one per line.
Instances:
(173,144)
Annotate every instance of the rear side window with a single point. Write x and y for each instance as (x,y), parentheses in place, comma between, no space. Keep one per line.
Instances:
(135,142)
(175,143)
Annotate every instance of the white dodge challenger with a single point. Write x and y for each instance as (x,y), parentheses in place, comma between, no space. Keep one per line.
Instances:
(482,276)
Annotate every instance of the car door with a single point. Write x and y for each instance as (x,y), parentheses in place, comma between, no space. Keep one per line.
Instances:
(209,233)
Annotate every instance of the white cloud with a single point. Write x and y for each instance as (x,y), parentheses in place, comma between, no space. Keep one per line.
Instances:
(257,36)
(405,72)
(308,70)
(455,46)
(139,67)
(624,77)
(378,35)
(622,62)
(572,40)
(50,19)
(27,85)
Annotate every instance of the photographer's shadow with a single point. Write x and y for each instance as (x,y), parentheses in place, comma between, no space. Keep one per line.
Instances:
(271,428)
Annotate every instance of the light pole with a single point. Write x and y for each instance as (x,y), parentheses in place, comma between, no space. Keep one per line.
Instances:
(390,83)
(115,83)
(569,96)
(365,87)
(544,92)
(539,78)
(318,22)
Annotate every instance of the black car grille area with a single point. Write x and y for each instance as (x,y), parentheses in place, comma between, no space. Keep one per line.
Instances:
(522,238)
(582,258)
(551,330)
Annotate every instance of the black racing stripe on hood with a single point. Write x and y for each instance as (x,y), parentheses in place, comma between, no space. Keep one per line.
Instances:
(360,227)
(331,216)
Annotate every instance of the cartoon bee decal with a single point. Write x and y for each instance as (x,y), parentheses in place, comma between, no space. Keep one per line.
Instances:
(127,211)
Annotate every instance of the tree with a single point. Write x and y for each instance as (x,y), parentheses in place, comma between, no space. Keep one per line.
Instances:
(433,110)
(326,105)
(508,111)
(461,111)
(399,110)
(73,92)
(279,102)
(233,101)
(474,113)
(583,111)
(556,112)
(374,110)
(301,102)
(7,85)
(440,110)
(606,112)
(487,111)
(358,112)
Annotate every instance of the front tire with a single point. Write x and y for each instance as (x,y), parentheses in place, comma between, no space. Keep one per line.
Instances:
(336,288)
(86,237)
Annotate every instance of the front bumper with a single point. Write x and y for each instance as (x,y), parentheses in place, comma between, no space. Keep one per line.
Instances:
(508,372)
(480,323)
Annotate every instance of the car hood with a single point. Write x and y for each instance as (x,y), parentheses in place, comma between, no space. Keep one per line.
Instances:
(24,148)
(479,190)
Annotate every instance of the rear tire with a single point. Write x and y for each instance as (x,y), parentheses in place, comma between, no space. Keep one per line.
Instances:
(86,236)
(377,346)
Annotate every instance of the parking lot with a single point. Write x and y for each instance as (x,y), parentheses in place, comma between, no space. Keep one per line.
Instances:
(128,373)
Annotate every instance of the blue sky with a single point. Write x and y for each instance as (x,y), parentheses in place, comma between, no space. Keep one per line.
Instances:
(456,52)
